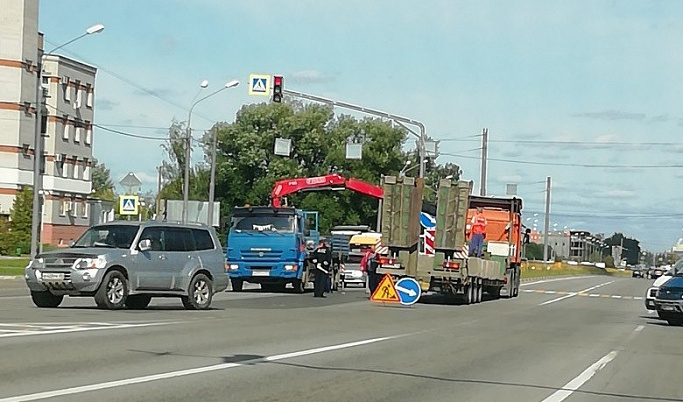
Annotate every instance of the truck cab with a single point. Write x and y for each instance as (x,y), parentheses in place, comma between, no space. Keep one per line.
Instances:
(269,246)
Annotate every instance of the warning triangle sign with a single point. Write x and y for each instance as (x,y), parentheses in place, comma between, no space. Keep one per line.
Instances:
(385,292)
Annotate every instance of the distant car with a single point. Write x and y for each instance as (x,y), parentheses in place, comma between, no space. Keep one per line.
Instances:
(125,264)
(669,301)
(656,273)
(638,273)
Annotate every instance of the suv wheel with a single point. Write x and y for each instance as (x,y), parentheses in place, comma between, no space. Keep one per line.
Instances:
(138,302)
(200,293)
(46,299)
(113,291)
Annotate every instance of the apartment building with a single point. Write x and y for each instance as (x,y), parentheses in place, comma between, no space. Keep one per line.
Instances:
(68,89)
(19,43)
(67,183)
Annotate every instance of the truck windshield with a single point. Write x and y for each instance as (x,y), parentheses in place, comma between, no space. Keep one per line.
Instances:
(110,236)
(264,223)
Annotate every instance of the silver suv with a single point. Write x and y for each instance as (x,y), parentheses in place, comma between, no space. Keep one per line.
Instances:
(127,263)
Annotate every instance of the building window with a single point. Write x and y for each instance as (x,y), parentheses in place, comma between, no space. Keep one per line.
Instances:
(67,92)
(90,94)
(43,125)
(46,80)
(77,134)
(65,167)
(76,169)
(88,133)
(84,209)
(86,169)
(62,208)
(65,135)
(77,89)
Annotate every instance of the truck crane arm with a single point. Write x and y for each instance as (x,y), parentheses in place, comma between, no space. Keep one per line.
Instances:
(333,182)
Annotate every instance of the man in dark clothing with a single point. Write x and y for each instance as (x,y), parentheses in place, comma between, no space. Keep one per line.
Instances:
(322,261)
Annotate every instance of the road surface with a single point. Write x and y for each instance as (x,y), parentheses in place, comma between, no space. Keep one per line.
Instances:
(572,339)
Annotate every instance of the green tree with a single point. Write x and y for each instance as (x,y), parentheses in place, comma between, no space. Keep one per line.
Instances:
(102,184)
(17,232)
(173,169)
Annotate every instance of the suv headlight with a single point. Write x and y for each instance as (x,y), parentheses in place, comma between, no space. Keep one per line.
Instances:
(90,263)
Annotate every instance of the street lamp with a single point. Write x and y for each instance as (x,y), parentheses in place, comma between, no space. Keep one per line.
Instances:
(188,147)
(38,139)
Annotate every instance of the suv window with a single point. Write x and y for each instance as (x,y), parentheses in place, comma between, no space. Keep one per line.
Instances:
(178,239)
(202,239)
(113,236)
(156,236)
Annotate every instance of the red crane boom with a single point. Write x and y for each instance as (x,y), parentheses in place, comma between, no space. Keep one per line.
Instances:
(333,182)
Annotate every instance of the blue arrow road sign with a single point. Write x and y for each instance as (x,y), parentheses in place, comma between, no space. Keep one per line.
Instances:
(408,290)
(427,221)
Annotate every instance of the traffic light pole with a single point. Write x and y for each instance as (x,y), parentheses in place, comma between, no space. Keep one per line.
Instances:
(421,136)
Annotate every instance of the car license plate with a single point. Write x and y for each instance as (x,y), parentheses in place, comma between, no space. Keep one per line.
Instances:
(260,273)
(53,276)
(667,308)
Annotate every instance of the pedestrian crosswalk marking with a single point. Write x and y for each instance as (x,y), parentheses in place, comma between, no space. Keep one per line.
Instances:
(583,294)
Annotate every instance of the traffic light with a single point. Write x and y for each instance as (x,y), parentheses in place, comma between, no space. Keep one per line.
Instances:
(278,83)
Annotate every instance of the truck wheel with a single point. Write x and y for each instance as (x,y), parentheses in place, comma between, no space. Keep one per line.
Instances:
(138,302)
(113,291)
(468,293)
(46,299)
(200,293)
(237,285)
(480,290)
(299,286)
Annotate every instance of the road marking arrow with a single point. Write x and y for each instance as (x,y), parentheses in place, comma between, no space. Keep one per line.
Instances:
(409,292)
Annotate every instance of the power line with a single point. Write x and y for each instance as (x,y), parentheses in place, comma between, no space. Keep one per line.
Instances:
(132,83)
(586,165)
(596,144)
(142,137)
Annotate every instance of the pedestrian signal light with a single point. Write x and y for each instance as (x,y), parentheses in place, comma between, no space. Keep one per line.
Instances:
(278,82)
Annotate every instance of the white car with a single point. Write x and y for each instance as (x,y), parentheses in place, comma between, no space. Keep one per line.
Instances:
(651,294)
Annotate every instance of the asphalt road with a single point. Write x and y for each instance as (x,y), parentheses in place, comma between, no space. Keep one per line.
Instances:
(578,339)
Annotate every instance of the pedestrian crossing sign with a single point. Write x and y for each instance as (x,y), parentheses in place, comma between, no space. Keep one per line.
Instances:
(128,205)
(259,84)
(386,291)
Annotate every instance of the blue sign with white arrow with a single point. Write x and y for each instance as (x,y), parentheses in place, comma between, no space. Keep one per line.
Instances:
(427,221)
(408,290)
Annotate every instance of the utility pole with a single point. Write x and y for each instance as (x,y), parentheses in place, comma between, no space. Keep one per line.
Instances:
(547,219)
(158,202)
(212,180)
(484,153)
(37,161)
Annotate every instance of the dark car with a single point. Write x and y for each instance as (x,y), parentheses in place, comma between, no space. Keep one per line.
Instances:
(669,301)
(656,273)
(638,273)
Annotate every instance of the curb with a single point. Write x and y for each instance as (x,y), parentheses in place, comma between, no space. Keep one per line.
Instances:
(10,278)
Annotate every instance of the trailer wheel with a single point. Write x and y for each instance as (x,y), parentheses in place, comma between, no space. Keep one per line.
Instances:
(480,290)
(468,292)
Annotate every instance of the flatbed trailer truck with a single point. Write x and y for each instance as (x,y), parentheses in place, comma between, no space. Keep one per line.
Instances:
(451,271)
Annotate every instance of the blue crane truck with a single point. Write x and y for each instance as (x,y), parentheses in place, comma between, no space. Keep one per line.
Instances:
(270,246)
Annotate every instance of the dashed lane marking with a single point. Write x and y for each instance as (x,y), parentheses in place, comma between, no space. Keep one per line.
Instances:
(583,294)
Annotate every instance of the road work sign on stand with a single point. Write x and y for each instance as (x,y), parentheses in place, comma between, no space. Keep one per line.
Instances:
(408,291)
(386,292)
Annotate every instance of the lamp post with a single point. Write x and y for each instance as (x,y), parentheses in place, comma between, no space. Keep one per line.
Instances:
(188,154)
(38,140)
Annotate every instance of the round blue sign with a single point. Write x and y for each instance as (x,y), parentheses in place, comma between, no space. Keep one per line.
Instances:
(427,221)
(408,290)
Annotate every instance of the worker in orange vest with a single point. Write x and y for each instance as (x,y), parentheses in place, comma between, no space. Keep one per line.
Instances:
(478,233)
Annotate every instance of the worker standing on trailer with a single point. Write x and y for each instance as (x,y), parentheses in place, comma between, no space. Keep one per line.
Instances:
(478,233)
(322,259)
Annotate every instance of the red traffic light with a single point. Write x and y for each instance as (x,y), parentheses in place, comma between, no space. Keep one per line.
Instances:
(277,80)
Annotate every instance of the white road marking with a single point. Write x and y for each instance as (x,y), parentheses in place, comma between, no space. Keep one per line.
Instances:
(183,373)
(554,280)
(575,293)
(25,329)
(639,328)
(616,297)
(581,379)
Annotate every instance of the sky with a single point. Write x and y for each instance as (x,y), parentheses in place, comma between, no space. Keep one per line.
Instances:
(587,92)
